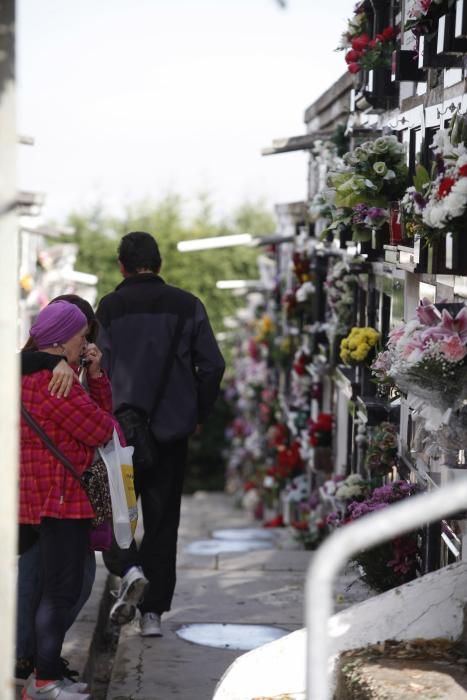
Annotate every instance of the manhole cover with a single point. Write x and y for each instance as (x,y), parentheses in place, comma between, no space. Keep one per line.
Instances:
(229,636)
(241,534)
(208,547)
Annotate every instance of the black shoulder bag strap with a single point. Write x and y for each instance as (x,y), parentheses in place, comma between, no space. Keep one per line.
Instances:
(48,443)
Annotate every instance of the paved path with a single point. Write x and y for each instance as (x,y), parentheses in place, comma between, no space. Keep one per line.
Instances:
(255,587)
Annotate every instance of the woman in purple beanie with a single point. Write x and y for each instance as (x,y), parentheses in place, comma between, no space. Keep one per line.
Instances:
(51,499)
(29,576)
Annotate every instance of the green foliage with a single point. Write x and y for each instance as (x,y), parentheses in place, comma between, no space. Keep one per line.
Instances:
(421,178)
(98,235)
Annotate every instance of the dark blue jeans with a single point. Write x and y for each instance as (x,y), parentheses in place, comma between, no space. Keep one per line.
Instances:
(29,588)
(64,547)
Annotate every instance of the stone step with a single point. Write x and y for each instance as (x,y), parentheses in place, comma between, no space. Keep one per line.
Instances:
(407,670)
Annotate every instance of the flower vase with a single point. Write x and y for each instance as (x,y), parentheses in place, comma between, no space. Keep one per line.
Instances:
(395,224)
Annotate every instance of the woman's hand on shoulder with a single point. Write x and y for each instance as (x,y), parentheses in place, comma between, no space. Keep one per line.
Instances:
(62,380)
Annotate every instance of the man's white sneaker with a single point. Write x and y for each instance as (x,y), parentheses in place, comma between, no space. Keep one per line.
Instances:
(150,624)
(131,593)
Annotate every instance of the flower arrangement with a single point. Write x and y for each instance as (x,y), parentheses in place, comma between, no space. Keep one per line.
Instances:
(297,300)
(423,15)
(381,452)
(426,359)
(365,219)
(320,430)
(358,345)
(391,563)
(351,489)
(356,26)
(301,360)
(445,197)
(362,50)
(340,288)
(265,330)
(371,53)
(374,174)
(301,262)
(325,507)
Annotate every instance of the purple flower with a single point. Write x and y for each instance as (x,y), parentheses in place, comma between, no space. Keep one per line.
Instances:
(419,200)
(376,212)
(439,164)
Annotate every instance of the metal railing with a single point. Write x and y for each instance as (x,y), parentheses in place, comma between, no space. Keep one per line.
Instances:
(339,547)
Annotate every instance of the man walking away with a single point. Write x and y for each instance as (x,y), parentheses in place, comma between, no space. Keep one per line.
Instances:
(165,368)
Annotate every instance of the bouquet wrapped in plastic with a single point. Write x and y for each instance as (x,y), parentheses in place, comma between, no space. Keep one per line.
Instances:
(426,359)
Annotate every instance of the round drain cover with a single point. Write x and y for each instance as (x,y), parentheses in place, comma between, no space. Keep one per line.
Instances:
(230,636)
(244,533)
(207,547)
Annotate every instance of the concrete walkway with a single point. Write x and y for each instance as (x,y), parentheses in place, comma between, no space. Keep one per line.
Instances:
(256,587)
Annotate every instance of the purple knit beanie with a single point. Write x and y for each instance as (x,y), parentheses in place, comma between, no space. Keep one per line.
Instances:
(57,323)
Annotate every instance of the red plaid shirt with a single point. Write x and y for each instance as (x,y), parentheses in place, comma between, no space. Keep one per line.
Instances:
(77,425)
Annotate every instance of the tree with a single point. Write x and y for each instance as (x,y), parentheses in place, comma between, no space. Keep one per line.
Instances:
(97,236)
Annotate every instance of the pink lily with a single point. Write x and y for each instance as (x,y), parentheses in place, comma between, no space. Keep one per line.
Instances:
(427,313)
(456,325)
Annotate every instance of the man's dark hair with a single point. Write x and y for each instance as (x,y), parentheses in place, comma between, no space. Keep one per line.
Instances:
(139,251)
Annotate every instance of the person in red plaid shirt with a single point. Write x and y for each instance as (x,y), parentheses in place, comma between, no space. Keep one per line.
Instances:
(50,497)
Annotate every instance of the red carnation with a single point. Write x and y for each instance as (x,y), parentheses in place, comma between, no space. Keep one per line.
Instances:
(445,186)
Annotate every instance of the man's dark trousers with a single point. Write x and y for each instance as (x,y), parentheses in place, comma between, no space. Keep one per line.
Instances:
(160,489)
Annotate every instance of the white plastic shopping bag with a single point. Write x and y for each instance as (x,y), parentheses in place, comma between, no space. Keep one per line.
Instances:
(119,463)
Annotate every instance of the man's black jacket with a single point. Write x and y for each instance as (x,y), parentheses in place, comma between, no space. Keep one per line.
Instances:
(137,323)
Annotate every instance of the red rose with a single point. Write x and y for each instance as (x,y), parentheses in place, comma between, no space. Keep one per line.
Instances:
(445,186)
(353,68)
(360,42)
(372,44)
(463,171)
(352,56)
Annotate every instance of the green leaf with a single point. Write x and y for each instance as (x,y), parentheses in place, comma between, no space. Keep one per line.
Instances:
(421,178)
